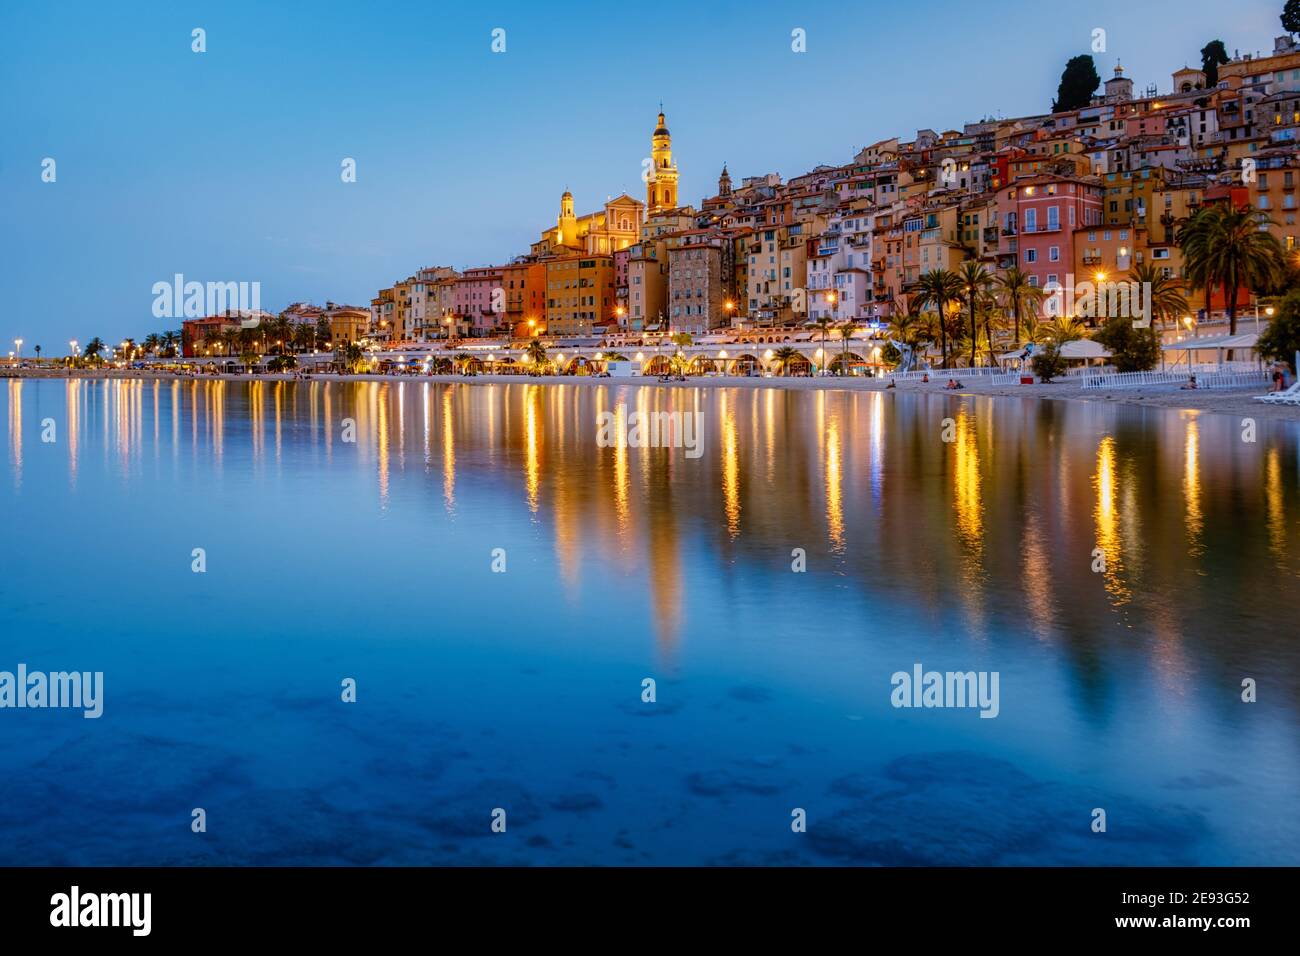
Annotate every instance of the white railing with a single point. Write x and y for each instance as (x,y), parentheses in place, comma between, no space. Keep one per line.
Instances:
(1207,380)
(980,371)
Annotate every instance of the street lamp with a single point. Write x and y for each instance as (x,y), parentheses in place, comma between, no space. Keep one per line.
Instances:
(18,344)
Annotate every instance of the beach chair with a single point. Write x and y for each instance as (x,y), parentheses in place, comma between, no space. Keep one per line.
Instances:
(1290,396)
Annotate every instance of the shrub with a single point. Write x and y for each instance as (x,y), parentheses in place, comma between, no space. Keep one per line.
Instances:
(1280,340)
(1132,350)
(1048,363)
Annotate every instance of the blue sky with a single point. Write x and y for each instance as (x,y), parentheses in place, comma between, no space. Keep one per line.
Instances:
(225,165)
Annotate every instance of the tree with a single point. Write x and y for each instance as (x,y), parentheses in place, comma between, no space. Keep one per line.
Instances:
(784,356)
(1079,80)
(1280,340)
(1060,330)
(536,353)
(352,356)
(824,323)
(974,279)
(95,348)
(1131,349)
(1229,248)
(1048,363)
(913,331)
(1213,55)
(1291,16)
(1164,293)
(939,288)
(845,331)
(1018,296)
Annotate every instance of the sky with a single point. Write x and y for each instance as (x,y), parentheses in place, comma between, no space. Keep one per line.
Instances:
(225,165)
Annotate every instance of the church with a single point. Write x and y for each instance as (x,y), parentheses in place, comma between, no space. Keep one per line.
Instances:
(618,225)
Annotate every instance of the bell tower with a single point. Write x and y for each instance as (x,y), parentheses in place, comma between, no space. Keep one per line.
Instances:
(661,188)
(567,223)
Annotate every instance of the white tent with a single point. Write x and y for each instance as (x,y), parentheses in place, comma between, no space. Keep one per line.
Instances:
(1083,349)
(1218,344)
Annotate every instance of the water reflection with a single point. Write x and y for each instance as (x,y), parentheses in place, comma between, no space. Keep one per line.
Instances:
(991,530)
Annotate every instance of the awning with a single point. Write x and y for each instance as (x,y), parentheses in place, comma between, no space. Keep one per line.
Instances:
(1243,340)
(1083,349)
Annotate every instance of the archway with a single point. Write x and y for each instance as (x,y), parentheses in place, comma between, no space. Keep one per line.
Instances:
(658,365)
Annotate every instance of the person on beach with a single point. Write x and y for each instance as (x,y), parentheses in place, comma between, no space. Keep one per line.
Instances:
(1191,382)
(954,384)
(925,379)
(891,384)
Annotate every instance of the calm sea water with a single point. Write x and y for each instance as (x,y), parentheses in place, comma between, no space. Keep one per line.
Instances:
(522,690)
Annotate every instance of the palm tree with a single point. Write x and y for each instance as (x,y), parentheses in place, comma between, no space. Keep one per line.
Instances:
(230,338)
(974,279)
(988,304)
(281,330)
(1017,295)
(784,356)
(1165,293)
(909,329)
(824,323)
(536,353)
(1243,254)
(845,331)
(938,288)
(95,348)
(169,340)
(1060,330)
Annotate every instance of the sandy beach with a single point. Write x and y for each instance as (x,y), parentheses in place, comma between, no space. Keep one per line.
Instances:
(1234,402)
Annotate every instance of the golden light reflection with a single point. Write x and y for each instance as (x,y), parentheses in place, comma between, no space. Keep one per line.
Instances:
(448,452)
(966,486)
(622,479)
(730,465)
(1107,519)
(834,491)
(1275,504)
(257,419)
(1192,488)
(379,396)
(532,452)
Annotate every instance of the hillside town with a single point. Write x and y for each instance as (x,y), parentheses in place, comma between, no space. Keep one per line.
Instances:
(951,245)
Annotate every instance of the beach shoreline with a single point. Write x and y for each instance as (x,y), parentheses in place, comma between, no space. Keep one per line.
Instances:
(1237,402)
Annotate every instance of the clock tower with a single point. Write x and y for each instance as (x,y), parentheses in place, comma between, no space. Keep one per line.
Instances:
(661,187)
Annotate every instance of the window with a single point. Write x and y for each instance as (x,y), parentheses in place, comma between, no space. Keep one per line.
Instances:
(1031,255)
(1054,254)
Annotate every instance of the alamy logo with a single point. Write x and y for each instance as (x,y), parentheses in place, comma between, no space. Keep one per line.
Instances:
(194,300)
(922,688)
(75,908)
(623,429)
(1100,300)
(71,689)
